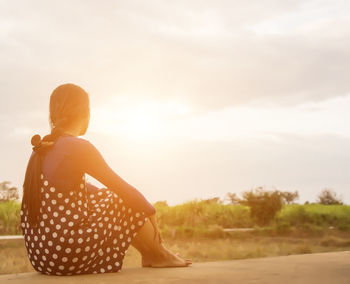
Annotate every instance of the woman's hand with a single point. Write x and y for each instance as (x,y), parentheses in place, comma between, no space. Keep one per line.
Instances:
(157,234)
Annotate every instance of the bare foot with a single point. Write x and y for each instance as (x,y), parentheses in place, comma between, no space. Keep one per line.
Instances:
(169,259)
(147,260)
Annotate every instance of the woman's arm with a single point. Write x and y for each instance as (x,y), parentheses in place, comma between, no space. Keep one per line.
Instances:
(92,162)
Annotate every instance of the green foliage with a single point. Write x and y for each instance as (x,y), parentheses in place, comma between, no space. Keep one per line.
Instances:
(10,217)
(199,213)
(263,204)
(337,216)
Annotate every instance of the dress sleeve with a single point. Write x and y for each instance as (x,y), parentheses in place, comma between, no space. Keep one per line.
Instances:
(92,162)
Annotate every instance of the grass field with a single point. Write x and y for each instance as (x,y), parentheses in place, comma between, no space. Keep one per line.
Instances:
(13,257)
(194,229)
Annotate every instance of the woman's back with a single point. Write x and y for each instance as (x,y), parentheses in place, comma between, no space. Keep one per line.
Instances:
(81,229)
(61,164)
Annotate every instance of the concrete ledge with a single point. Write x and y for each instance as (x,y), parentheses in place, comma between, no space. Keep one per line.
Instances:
(318,268)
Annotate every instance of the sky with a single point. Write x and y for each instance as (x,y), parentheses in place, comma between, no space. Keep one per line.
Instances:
(189,99)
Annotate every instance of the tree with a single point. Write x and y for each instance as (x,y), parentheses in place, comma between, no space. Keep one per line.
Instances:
(289,197)
(328,197)
(161,203)
(8,193)
(232,198)
(263,204)
(213,200)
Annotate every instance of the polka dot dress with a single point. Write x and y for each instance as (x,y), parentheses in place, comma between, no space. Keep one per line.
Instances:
(80,231)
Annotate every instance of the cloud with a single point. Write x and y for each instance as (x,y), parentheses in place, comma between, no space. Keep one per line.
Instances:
(212,54)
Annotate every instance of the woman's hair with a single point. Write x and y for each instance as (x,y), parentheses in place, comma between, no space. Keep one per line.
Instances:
(69,104)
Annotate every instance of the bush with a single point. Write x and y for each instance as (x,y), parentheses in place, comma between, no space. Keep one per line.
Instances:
(10,222)
(328,197)
(263,204)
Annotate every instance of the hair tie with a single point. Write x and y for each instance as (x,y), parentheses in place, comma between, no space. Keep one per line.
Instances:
(36,142)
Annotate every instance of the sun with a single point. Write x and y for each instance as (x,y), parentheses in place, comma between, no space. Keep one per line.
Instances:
(137,120)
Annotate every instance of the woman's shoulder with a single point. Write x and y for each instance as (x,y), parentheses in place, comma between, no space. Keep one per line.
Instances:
(74,142)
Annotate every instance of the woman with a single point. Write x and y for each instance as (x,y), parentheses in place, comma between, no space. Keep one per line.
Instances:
(70,226)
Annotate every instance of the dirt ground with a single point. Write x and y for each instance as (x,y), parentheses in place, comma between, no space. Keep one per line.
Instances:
(318,268)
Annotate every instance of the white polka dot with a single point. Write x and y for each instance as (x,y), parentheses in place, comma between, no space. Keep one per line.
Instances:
(58,247)
(68,250)
(52,189)
(62,239)
(61,207)
(78,250)
(66,200)
(70,241)
(35,238)
(58,226)
(51,263)
(80,240)
(44,216)
(64,259)
(54,256)
(75,216)
(49,243)
(102,270)
(137,214)
(63,219)
(54,234)
(70,224)
(46,182)
(41,176)
(61,267)
(117,263)
(42,203)
(109,267)
(75,259)
(43,237)
(53,201)
(47,195)
(59,195)
(73,205)
(140,222)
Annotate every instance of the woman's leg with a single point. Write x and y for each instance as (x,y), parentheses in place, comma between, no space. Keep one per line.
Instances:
(153,253)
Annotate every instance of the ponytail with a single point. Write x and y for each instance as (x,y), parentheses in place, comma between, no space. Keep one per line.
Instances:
(68,104)
(32,183)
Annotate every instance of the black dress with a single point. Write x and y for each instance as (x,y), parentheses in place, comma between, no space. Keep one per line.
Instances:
(82,229)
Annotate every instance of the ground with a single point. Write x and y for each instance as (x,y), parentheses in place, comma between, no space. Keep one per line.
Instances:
(320,268)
